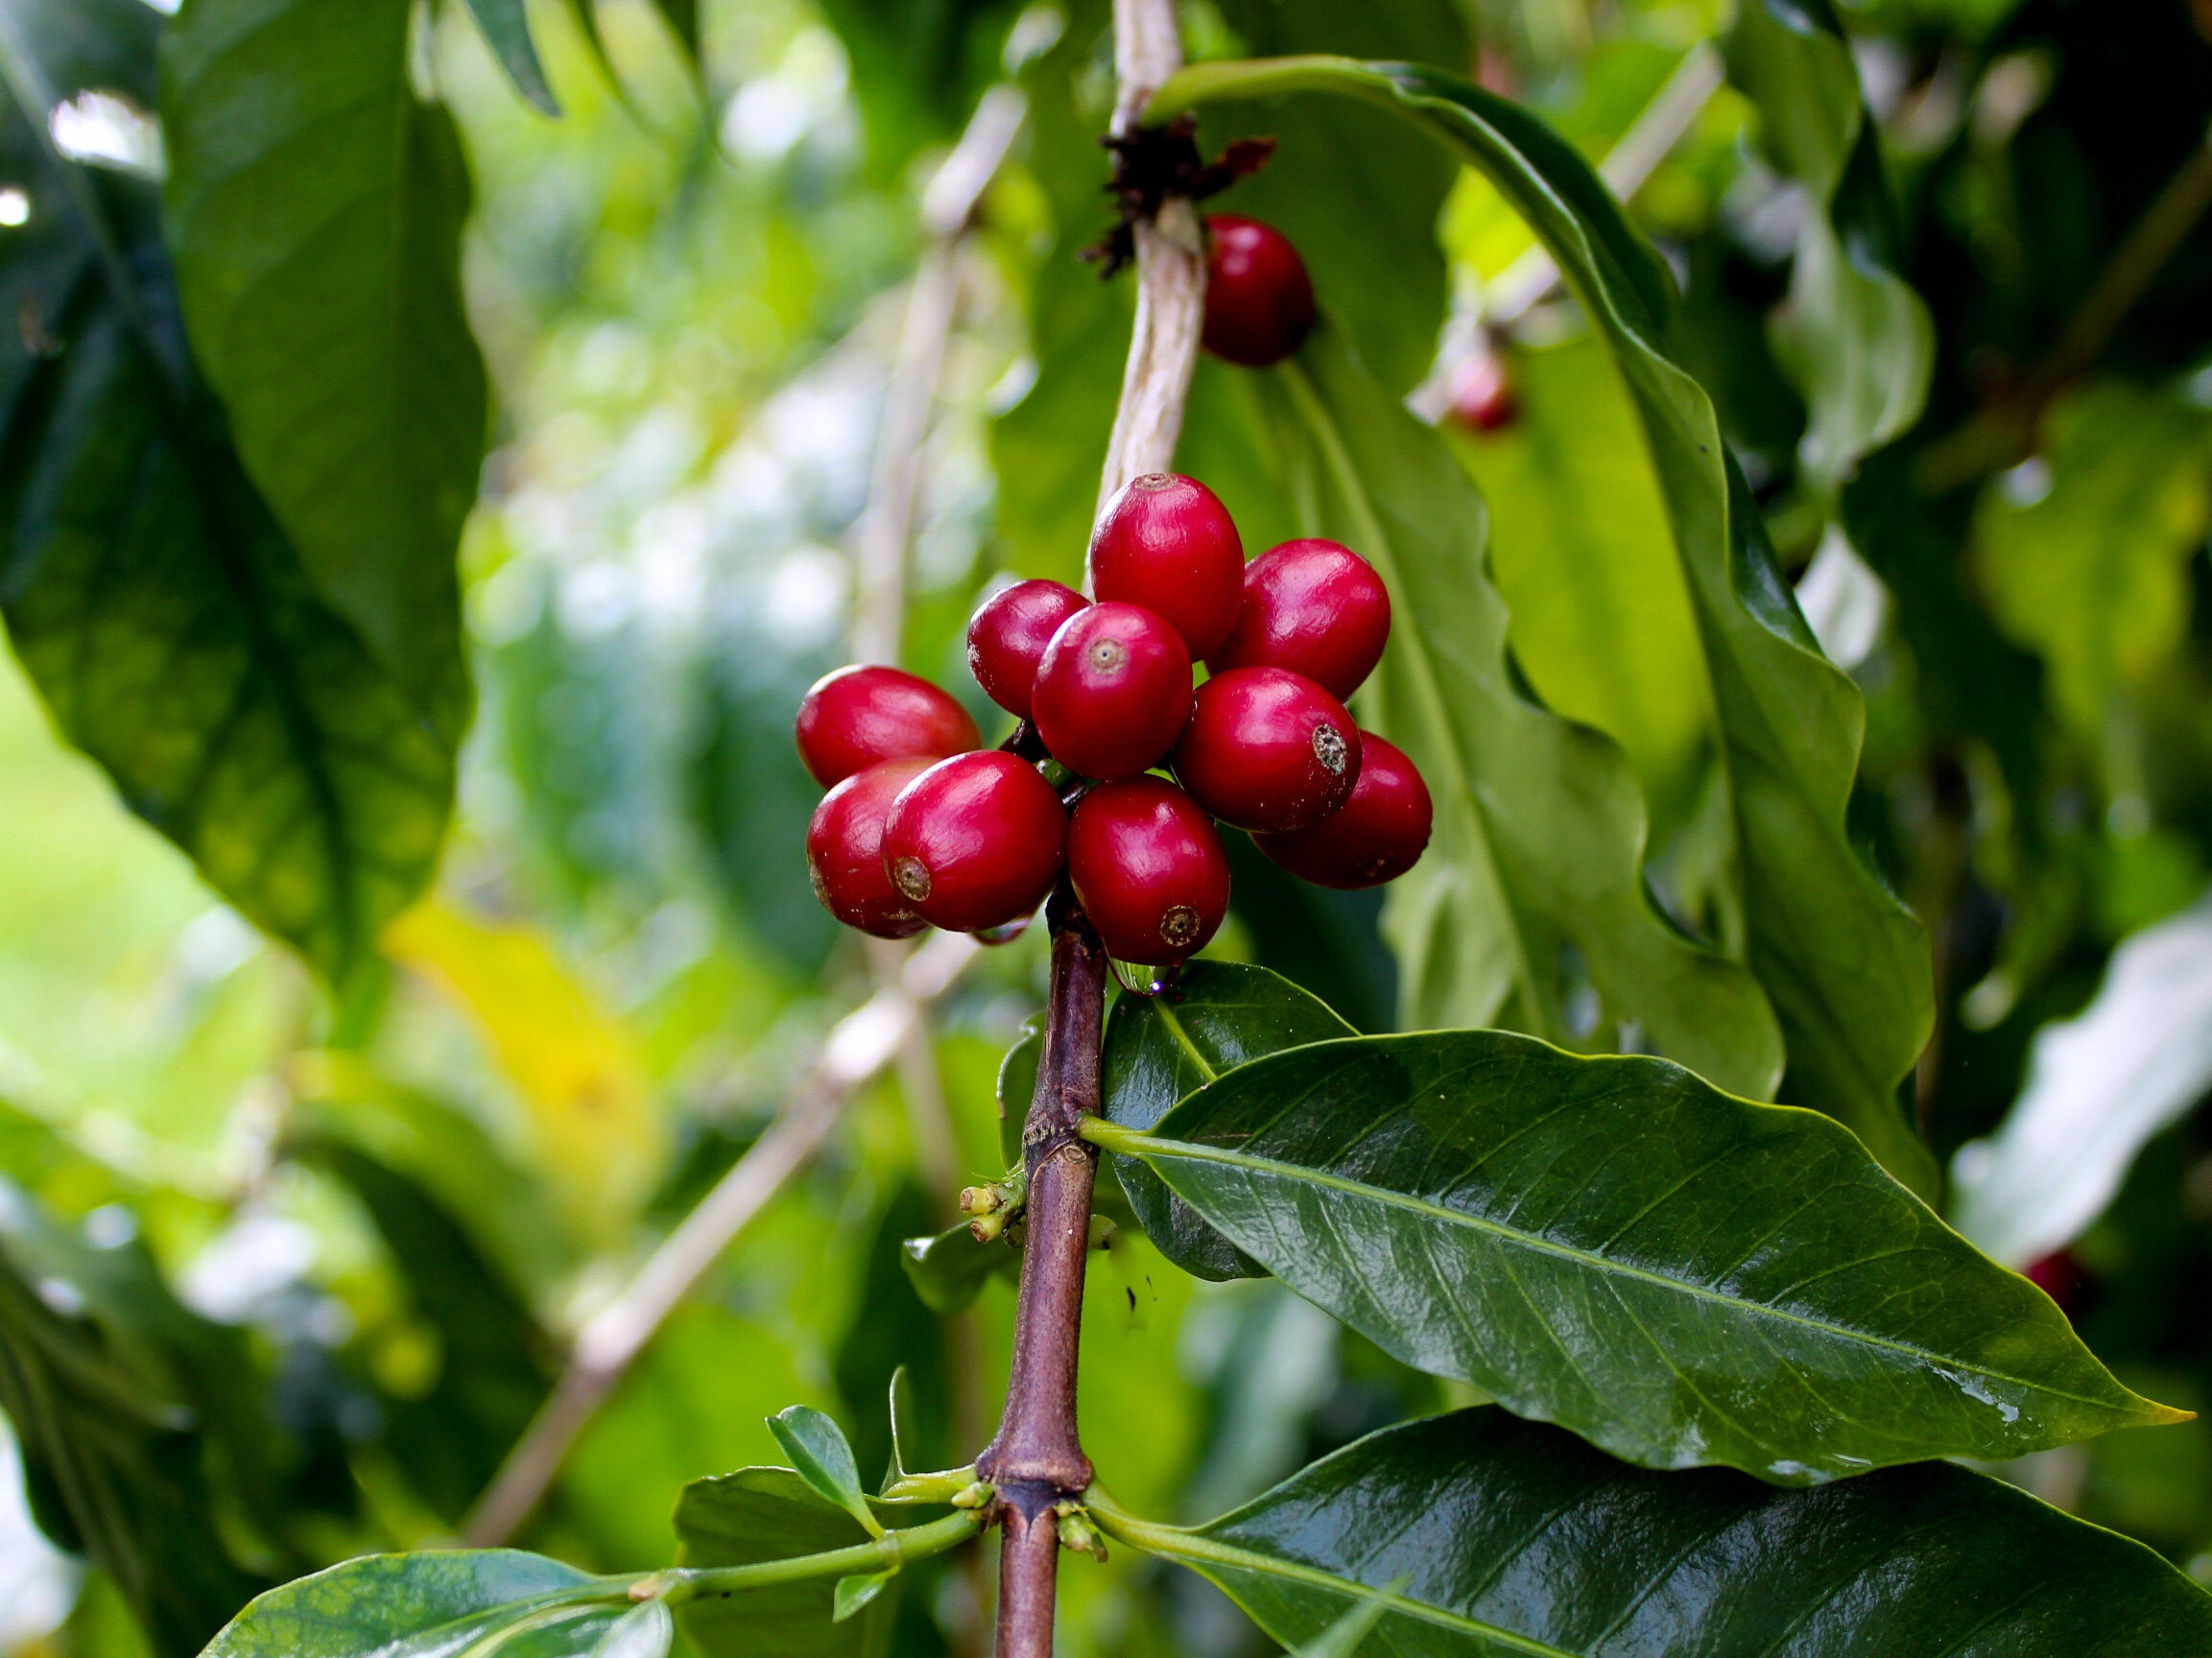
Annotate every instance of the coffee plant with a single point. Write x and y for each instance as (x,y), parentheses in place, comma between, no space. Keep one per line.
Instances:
(1559,652)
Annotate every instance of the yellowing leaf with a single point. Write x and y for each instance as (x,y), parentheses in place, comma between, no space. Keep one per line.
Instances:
(572,1063)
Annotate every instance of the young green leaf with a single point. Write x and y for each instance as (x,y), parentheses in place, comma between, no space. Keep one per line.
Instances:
(1540,825)
(1484,1537)
(1615,1246)
(315,206)
(506,26)
(1843,963)
(1157,1049)
(760,1514)
(448,1602)
(818,1449)
(855,1593)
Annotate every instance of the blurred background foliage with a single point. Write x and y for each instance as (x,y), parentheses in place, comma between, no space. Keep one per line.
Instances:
(309,1266)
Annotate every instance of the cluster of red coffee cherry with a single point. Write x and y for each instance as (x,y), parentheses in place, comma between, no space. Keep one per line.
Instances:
(924,827)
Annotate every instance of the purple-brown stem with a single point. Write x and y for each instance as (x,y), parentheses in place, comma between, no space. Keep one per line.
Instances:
(1038,1459)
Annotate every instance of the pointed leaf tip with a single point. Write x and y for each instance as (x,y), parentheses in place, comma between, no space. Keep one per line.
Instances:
(822,1457)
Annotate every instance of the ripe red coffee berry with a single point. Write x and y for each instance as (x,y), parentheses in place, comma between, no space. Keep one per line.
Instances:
(844,851)
(1482,394)
(859,715)
(1376,835)
(1167,543)
(1005,640)
(1268,749)
(1259,301)
(975,841)
(1113,691)
(1149,868)
(1314,607)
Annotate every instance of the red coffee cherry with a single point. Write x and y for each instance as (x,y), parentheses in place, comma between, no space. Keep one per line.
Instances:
(1268,749)
(1149,869)
(1113,691)
(1376,835)
(1007,638)
(1259,301)
(861,714)
(1167,543)
(1313,608)
(975,841)
(1483,393)
(844,851)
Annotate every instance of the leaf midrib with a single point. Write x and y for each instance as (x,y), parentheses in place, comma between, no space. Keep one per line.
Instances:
(1194,1546)
(1149,1146)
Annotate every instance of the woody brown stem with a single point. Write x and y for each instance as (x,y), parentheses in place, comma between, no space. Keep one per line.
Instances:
(1037,1459)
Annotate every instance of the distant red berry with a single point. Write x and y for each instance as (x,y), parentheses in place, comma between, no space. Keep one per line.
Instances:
(1113,691)
(1268,749)
(859,715)
(1483,394)
(1005,640)
(844,851)
(1313,608)
(1376,835)
(1167,543)
(1259,301)
(2059,1276)
(1149,868)
(975,841)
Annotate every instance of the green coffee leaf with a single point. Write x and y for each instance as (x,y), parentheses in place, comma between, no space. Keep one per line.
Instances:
(949,1271)
(648,1632)
(1159,1048)
(1844,963)
(818,1449)
(432,1604)
(506,26)
(315,206)
(759,1514)
(1613,1244)
(1854,335)
(2084,553)
(164,617)
(1484,1537)
(1537,860)
(116,1466)
(855,1593)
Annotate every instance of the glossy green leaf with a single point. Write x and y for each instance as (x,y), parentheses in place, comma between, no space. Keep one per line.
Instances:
(1016,1084)
(1349,1632)
(854,1594)
(168,623)
(114,1465)
(506,26)
(315,206)
(1855,336)
(1601,620)
(1157,1049)
(818,1449)
(430,1605)
(949,1271)
(1490,1538)
(1537,861)
(2083,553)
(770,1514)
(1614,1245)
(1844,963)
(647,1633)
